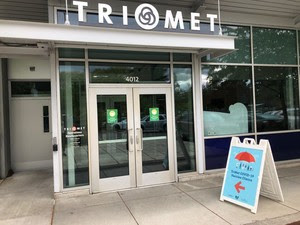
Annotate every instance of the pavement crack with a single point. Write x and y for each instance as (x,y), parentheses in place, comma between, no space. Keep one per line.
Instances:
(128,208)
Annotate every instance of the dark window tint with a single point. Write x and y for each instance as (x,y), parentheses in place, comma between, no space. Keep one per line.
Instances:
(128,55)
(46,118)
(182,57)
(75,53)
(30,88)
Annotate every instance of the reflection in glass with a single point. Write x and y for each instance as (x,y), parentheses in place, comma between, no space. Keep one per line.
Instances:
(277,100)
(242,44)
(186,159)
(112,132)
(30,89)
(129,73)
(71,53)
(128,55)
(74,124)
(154,126)
(274,46)
(227,100)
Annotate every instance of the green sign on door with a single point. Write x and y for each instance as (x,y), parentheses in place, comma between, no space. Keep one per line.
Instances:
(154,114)
(112,115)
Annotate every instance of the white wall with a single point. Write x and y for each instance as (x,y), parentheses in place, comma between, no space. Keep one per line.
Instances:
(20,69)
(31,148)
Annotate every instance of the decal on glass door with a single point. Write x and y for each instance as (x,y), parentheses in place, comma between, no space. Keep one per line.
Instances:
(154,114)
(112,115)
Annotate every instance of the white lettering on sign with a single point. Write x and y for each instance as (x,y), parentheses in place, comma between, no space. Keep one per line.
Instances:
(104,11)
(195,23)
(212,21)
(171,22)
(80,5)
(125,15)
(146,16)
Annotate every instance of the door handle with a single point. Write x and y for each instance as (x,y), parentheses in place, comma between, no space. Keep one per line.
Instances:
(130,135)
(139,140)
(141,136)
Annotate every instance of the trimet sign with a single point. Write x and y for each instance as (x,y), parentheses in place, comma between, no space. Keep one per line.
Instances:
(146,16)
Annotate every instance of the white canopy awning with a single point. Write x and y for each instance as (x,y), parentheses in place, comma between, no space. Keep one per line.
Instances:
(69,34)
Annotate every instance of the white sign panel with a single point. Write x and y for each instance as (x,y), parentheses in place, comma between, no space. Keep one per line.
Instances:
(250,171)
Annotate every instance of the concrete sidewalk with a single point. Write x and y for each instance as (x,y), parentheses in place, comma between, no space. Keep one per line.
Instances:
(192,202)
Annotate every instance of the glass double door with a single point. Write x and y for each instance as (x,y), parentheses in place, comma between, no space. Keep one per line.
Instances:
(131,137)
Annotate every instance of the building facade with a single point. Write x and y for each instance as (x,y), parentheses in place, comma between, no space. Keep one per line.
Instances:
(114,95)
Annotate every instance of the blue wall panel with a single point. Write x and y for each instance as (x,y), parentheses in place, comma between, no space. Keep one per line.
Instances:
(284,146)
(216,152)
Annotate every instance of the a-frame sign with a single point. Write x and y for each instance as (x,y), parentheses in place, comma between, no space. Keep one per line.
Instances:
(250,171)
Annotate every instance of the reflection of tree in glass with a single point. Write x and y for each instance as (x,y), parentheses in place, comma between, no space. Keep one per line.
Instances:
(277,98)
(274,46)
(224,86)
(242,44)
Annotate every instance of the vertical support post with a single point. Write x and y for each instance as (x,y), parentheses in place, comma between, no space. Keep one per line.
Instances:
(54,113)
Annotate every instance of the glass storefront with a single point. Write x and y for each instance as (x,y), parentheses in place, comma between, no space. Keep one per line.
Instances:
(251,92)
(108,67)
(74,124)
(184,118)
(263,79)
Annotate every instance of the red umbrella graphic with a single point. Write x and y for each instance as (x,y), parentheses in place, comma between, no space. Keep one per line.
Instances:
(245,156)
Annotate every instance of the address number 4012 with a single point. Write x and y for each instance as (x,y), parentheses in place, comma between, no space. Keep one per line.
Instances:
(133,79)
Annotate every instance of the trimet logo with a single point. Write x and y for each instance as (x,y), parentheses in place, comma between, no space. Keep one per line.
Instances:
(146,16)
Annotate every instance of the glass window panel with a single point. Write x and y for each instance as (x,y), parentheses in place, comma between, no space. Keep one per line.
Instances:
(46,124)
(30,89)
(242,44)
(75,53)
(185,141)
(155,138)
(113,137)
(182,57)
(227,100)
(73,17)
(128,55)
(277,98)
(74,124)
(129,73)
(274,46)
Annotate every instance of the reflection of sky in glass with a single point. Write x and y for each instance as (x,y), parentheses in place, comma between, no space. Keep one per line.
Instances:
(71,68)
(184,82)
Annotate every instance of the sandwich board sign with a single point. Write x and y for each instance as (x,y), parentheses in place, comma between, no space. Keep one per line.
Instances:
(250,171)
